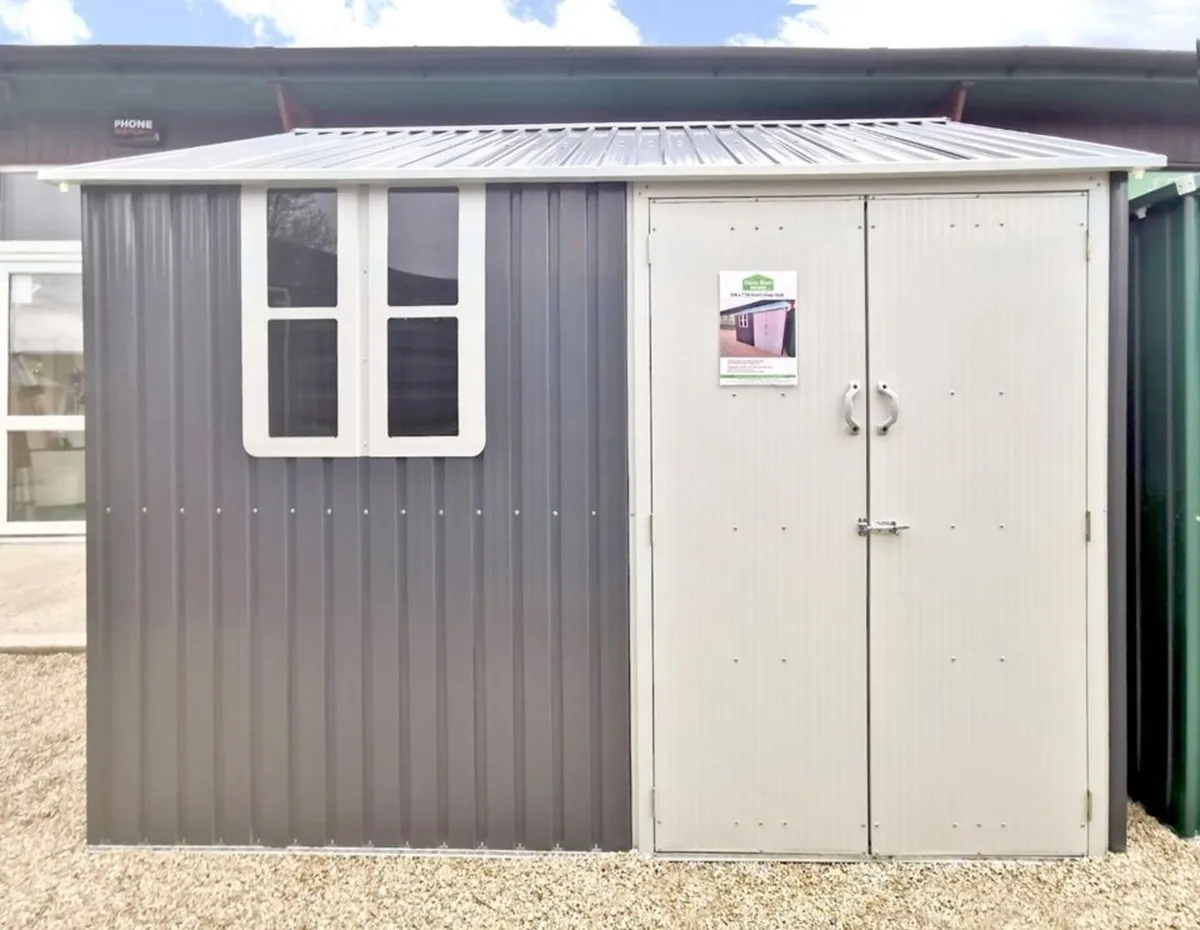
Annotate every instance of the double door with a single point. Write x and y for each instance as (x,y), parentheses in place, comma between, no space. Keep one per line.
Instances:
(869,585)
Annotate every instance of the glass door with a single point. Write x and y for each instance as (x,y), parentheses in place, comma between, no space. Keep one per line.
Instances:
(41,429)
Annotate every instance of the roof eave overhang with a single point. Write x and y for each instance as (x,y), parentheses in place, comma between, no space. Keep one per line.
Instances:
(598,61)
(98,174)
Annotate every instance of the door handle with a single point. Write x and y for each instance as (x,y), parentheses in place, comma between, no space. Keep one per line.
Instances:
(881,528)
(852,390)
(893,405)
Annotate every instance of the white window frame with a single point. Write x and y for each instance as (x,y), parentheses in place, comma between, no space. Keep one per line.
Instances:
(362,315)
(471,436)
(257,315)
(28,257)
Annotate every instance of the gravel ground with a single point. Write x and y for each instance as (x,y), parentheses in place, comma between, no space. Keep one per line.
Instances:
(48,879)
(42,587)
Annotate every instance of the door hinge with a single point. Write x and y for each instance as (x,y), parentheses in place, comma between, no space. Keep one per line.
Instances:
(1087,526)
(1087,244)
(649,239)
(650,530)
(654,804)
(1088,803)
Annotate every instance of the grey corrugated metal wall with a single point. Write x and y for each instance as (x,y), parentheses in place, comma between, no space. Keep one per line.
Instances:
(348,651)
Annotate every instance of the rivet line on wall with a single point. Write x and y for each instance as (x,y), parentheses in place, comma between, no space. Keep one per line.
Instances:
(403,512)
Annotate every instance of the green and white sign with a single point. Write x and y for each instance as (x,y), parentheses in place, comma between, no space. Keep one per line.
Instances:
(758,283)
(757,331)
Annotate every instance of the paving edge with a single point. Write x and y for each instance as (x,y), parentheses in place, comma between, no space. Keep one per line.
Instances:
(40,645)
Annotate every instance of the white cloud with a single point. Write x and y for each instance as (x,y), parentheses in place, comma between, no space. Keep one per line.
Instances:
(43,22)
(434,22)
(932,23)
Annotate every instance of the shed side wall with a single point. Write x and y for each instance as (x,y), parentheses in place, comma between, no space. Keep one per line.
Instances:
(1164,601)
(388,652)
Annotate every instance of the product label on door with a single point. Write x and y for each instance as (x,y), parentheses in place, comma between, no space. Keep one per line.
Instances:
(757,331)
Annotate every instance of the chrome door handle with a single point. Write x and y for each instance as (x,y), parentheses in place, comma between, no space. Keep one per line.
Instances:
(852,390)
(882,527)
(894,412)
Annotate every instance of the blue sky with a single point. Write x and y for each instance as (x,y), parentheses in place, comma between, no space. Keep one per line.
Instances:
(854,23)
(207,22)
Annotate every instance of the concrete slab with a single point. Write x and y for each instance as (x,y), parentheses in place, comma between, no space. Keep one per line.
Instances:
(42,643)
(43,588)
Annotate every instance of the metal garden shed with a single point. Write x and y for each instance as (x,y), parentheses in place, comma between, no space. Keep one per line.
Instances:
(427,508)
(1165,503)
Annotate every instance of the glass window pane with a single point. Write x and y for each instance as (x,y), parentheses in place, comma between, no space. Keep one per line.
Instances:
(423,377)
(45,344)
(45,476)
(302,248)
(422,248)
(302,378)
(33,209)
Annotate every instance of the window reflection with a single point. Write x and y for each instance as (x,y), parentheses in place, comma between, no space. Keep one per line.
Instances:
(423,377)
(33,209)
(45,345)
(302,388)
(302,243)
(45,476)
(422,248)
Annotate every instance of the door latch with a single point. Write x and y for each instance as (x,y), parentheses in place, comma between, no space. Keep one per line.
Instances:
(881,527)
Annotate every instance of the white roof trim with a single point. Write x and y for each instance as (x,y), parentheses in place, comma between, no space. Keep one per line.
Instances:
(617,152)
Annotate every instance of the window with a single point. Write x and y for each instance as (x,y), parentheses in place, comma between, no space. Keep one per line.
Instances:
(422,231)
(425,327)
(41,413)
(302,248)
(302,377)
(45,345)
(33,210)
(46,479)
(423,377)
(362,321)
(42,384)
(301,309)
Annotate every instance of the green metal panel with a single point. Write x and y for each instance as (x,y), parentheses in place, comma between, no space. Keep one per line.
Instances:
(1164,551)
(1152,180)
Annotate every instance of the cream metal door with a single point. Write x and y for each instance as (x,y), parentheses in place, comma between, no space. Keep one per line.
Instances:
(978,326)
(760,651)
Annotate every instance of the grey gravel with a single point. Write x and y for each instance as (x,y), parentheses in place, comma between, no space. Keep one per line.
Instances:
(42,587)
(49,879)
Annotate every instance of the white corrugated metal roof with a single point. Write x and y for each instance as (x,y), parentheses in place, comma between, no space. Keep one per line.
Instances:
(675,151)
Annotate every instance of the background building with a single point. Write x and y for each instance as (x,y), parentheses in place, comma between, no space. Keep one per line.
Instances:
(75,104)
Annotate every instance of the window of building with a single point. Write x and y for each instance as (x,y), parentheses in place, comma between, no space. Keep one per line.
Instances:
(42,389)
(41,419)
(34,211)
(46,477)
(363,326)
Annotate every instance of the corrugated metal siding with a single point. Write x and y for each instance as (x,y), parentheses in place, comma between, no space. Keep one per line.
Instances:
(389,652)
(66,140)
(1164,622)
(616,151)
